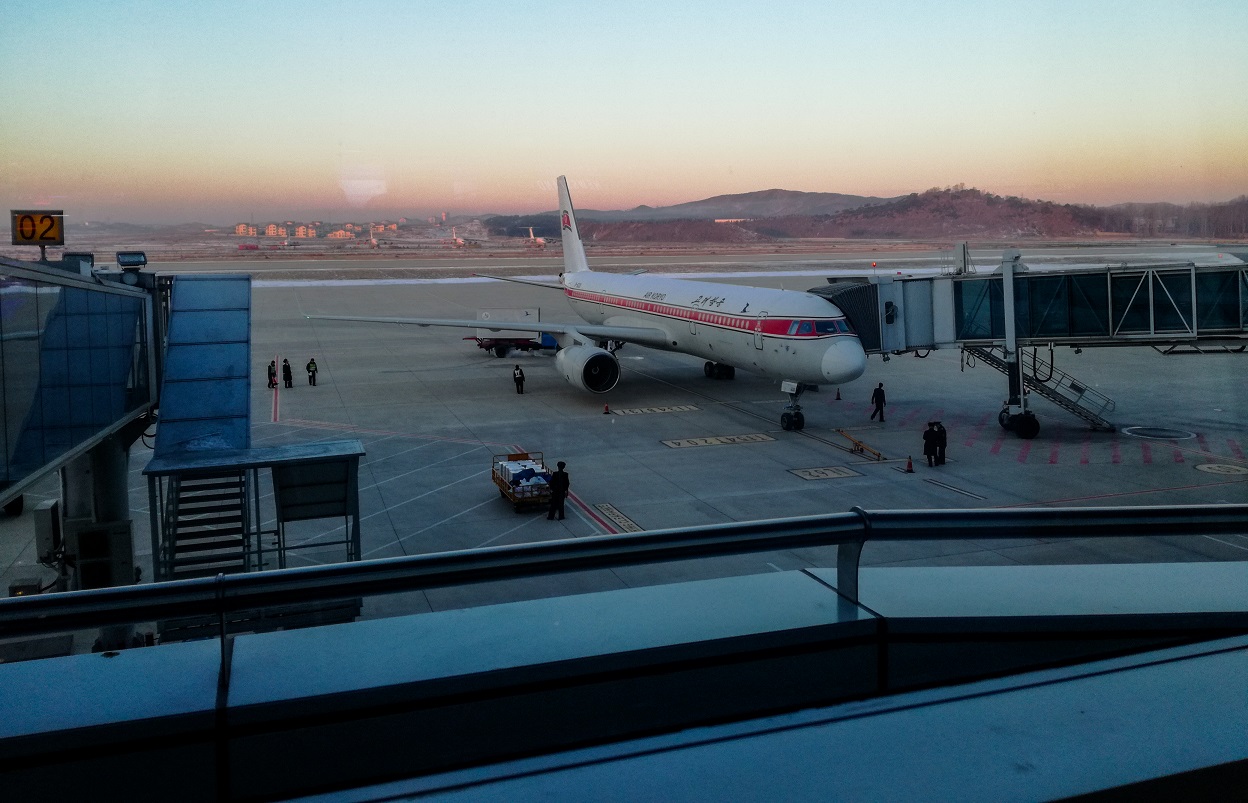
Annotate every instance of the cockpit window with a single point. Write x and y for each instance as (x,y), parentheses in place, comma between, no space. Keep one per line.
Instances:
(805,328)
(826,327)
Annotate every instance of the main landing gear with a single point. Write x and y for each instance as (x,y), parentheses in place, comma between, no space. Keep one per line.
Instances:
(792,419)
(717,370)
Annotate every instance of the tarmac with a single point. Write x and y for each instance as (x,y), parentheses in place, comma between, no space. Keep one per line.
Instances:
(671,448)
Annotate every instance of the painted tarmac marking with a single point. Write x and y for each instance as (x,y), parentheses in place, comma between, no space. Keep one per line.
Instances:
(526,523)
(368,431)
(1115,454)
(590,514)
(625,524)
(1023,451)
(426,528)
(1227,543)
(1086,450)
(1222,468)
(825,473)
(1123,493)
(996,447)
(978,430)
(1053,453)
(678,408)
(1235,450)
(1146,452)
(723,440)
(956,490)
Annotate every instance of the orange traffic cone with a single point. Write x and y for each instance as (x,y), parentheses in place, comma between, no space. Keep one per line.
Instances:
(838,394)
(909,465)
(606,409)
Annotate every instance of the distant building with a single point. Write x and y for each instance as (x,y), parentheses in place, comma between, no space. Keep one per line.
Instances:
(340,234)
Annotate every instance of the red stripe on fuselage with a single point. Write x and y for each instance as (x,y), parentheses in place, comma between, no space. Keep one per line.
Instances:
(773,327)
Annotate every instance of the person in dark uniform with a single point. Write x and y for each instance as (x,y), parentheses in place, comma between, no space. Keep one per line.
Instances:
(942,440)
(311,367)
(930,436)
(558,491)
(518,376)
(878,399)
(287,376)
(272,373)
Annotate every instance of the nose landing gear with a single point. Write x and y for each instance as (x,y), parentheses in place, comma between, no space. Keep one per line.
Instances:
(717,370)
(792,419)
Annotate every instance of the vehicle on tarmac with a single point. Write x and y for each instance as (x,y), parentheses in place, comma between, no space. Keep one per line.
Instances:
(502,346)
(795,337)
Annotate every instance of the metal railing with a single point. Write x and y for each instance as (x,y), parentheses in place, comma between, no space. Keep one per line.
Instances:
(849,532)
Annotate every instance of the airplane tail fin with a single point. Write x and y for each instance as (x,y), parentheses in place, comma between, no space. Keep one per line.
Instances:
(573,250)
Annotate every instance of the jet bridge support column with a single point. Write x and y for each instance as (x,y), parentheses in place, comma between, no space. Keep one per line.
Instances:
(1015,415)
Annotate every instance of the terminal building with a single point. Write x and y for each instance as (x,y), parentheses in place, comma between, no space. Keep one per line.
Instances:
(229,675)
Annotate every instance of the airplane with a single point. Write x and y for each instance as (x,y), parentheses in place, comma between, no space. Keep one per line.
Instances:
(535,242)
(799,338)
(456,240)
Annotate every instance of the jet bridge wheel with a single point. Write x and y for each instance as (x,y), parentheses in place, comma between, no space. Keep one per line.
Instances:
(715,370)
(1024,425)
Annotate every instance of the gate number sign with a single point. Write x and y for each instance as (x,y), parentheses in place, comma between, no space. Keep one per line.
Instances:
(38,226)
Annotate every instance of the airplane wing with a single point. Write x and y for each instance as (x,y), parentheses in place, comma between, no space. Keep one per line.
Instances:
(642,336)
(533,282)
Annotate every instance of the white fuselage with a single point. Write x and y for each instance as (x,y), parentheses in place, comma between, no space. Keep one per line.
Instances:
(784,334)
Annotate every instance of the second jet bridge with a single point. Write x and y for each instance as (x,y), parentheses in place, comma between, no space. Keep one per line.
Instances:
(1154,305)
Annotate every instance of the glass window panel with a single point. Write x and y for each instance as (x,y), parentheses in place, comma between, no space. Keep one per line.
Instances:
(1089,305)
(1217,303)
(65,359)
(1130,299)
(1049,298)
(1172,302)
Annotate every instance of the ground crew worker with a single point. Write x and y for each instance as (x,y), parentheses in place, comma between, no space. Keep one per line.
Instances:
(287,376)
(272,373)
(930,438)
(311,366)
(942,440)
(878,399)
(558,491)
(518,376)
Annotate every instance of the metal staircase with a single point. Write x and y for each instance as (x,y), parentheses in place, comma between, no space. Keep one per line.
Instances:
(1058,387)
(207,526)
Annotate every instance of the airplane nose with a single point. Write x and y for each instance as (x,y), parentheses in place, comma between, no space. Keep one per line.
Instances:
(844,361)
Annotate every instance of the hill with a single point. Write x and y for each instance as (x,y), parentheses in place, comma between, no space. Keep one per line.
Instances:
(949,213)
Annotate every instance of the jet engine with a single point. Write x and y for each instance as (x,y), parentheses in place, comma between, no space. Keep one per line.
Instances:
(588,368)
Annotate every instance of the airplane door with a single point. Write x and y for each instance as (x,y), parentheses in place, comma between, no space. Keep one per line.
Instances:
(758,330)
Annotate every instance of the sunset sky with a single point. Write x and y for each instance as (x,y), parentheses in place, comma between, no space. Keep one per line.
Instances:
(222,111)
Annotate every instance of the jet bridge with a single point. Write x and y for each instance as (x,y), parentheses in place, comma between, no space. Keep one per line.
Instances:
(994,317)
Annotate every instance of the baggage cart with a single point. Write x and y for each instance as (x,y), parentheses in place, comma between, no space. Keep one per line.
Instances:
(522,479)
